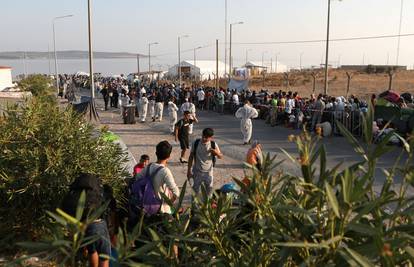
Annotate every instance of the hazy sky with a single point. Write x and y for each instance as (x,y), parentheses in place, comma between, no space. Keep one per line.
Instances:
(129,25)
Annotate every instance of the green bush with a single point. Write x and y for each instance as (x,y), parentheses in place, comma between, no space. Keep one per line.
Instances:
(324,217)
(37,84)
(43,149)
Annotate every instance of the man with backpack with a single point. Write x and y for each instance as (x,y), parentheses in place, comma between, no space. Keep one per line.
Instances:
(99,250)
(151,183)
(203,154)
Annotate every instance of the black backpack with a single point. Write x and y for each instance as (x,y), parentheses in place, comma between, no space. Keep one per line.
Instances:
(89,183)
(213,146)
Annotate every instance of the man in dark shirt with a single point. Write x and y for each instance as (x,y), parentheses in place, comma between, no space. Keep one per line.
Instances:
(181,133)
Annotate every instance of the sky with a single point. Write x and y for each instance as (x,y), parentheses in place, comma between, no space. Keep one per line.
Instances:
(129,25)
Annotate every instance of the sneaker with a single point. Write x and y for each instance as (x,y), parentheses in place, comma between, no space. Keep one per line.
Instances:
(183,160)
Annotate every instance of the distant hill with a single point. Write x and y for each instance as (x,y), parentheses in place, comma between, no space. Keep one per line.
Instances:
(68,54)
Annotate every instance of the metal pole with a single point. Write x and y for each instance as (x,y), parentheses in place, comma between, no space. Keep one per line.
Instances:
(327,48)
(149,59)
(300,61)
(276,62)
(225,36)
(399,33)
(91,80)
(179,62)
(271,65)
(56,65)
(247,55)
(217,64)
(231,27)
(48,57)
(138,64)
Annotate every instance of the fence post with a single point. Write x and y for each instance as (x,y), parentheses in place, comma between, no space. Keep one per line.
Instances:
(314,76)
(286,76)
(348,87)
(391,74)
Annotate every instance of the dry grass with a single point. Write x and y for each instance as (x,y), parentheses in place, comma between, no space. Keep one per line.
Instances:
(362,84)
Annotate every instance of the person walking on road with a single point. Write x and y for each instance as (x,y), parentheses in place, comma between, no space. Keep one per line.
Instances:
(151,100)
(172,113)
(190,107)
(246,114)
(182,135)
(105,95)
(202,160)
(159,106)
(143,105)
(201,97)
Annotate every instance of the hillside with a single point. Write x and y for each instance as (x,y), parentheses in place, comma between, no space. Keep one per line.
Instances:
(68,54)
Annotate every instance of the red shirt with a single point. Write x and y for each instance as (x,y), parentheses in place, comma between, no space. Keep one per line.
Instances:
(138,168)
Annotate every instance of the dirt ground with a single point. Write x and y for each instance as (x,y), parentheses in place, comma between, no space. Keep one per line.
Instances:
(362,84)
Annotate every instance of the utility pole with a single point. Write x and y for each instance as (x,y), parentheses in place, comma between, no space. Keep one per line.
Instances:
(230,56)
(327,48)
(399,33)
(217,64)
(138,64)
(91,80)
(225,36)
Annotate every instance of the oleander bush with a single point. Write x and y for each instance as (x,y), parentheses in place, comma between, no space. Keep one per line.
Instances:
(43,148)
(323,217)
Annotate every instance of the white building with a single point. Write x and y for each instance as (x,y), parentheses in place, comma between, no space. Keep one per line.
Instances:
(203,69)
(5,77)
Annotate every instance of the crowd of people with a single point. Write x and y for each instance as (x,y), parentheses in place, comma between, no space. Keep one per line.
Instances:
(152,181)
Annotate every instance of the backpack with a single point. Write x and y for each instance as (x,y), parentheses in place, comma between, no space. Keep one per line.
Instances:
(213,146)
(94,195)
(143,197)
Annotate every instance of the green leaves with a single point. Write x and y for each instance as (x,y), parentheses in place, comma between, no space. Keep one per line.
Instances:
(333,202)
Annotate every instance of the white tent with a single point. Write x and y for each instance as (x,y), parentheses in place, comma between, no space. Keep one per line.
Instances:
(203,69)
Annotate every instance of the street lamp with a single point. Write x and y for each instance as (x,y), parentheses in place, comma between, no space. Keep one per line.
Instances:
(300,61)
(230,57)
(54,48)
(195,49)
(276,58)
(399,32)
(195,61)
(149,57)
(247,54)
(179,57)
(263,53)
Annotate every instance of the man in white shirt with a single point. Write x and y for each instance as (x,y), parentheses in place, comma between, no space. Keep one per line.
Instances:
(200,97)
(163,181)
(246,114)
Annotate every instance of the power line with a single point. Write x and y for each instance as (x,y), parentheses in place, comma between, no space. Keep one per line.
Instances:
(332,40)
(183,51)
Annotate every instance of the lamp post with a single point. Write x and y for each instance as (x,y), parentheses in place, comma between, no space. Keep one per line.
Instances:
(247,54)
(225,36)
(263,53)
(276,63)
(54,48)
(399,32)
(327,48)
(230,57)
(179,57)
(195,56)
(300,61)
(195,59)
(149,57)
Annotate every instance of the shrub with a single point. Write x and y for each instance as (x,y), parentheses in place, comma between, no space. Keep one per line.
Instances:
(43,148)
(37,84)
(324,217)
